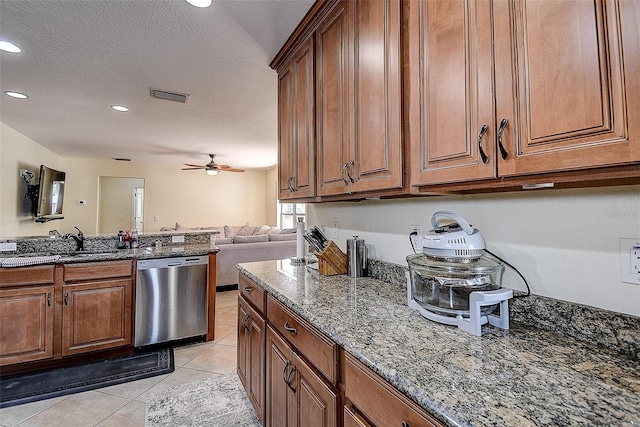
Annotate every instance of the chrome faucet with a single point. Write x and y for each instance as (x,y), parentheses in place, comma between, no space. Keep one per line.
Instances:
(79,239)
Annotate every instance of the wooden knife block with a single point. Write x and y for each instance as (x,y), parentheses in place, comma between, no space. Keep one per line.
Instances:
(332,260)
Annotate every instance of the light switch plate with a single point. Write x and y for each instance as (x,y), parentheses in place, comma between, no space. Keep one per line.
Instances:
(177,239)
(8,246)
(630,261)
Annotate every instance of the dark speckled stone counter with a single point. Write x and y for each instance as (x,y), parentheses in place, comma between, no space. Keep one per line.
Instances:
(523,377)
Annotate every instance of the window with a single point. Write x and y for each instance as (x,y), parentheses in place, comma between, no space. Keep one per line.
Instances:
(290,212)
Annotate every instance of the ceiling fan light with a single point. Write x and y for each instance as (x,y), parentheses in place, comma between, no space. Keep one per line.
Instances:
(212,172)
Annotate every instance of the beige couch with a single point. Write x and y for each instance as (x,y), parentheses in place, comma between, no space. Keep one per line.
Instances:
(246,243)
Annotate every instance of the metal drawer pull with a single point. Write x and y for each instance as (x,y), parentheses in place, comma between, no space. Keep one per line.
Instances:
(483,130)
(503,152)
(49,299)
(248,289)
(288,328)
(405,424)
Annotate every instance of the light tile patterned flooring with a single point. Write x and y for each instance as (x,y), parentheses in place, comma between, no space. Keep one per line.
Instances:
(124,405)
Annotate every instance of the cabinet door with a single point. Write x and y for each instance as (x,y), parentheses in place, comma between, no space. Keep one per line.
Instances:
(451,118)
(279,404)
(377,143)
(334,107)
(26,324)
(296,176)
(316,404)
(243,342)
(96,315)
(351,418)
(568,84)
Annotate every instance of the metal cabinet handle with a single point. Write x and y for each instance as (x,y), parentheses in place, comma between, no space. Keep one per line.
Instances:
(66,298)
(483,130)
(405,424)
(284,371)
(344,167)
(49,299)
(349,166)
(245,321)
(247,289)
(290,377)
(288,328)
(503,152)
(293,184)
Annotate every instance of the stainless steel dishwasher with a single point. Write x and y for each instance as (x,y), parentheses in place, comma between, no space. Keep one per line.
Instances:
(171,299)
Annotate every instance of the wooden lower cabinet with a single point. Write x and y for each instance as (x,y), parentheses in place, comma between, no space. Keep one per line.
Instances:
(295,394)
(96,315)
(378,401)
(251,355)
(26,324)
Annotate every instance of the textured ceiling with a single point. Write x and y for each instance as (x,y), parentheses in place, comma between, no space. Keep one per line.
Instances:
(79,57)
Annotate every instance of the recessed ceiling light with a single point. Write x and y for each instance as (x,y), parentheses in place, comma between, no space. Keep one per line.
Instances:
(16,94)
(9,47)
(200,3)
(120,108)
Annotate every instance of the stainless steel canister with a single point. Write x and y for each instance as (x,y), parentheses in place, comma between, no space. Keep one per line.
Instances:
(356,257)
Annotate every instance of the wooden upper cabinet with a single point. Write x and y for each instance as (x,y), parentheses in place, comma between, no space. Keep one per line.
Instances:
(567,84)
(450,91)
(332,100)
(557,84)
(377,147)
(296,108)
(359,98)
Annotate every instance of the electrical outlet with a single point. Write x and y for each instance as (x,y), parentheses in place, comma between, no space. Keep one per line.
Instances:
(630,261)
(416,240)
(336,230)
(8,246)
(177,239)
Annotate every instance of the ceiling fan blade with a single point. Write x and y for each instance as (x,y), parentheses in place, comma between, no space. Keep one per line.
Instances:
(192,169)
(194,166)
(231,170)
(224,166)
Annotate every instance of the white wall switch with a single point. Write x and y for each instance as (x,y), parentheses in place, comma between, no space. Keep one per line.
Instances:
(156,218)
(8,246)
(336,230)
(630,261)
(177,239)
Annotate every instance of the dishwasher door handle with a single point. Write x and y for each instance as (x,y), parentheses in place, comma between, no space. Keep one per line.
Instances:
(174,264)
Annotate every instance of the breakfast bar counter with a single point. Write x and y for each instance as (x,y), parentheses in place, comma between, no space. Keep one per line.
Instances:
(525,376)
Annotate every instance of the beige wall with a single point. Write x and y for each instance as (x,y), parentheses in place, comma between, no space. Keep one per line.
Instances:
(191,198)
(116,203)
(271,185)
(19,152)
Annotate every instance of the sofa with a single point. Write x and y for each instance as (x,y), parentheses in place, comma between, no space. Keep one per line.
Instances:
(246,243)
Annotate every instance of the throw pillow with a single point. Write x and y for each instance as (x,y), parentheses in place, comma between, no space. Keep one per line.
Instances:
(223,240)
(250,239)
(231,230)
(247,230)
(280,237)
(263,229)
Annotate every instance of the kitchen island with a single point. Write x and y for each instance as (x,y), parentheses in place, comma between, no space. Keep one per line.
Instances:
(524,376)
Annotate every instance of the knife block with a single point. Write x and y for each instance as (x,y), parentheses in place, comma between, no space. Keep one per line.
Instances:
(331,260)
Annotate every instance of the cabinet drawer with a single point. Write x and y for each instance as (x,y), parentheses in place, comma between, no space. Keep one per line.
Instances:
(26,275)
(311,343)
(380,402)
(252,293)
(97,270)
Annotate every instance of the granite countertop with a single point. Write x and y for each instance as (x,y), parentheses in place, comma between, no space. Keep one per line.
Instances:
(164,251)
(521,377)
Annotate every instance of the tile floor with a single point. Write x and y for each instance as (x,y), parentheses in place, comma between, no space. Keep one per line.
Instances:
(124,405)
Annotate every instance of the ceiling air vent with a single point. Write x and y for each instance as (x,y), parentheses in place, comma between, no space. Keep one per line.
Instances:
(169,96)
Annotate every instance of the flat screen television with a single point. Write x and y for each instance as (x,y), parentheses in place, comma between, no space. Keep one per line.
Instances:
(50,194)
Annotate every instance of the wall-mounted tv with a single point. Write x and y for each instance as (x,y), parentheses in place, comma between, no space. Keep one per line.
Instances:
(50,195)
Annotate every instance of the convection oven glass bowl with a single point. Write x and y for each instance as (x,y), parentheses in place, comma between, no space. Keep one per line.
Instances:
(443,285)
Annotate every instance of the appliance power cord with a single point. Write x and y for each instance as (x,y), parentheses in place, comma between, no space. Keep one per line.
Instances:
(514,269)
(413,233)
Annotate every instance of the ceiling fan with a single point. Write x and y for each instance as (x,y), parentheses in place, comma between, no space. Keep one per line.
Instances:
(212,168)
